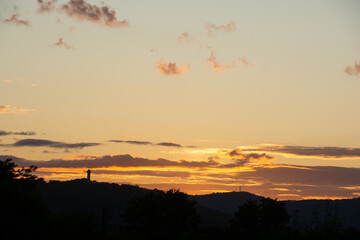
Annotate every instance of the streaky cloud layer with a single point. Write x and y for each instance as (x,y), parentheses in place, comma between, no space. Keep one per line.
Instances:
(272,180)
(7,109)
(317,152)
(164,144)
(24,133)
(48,143)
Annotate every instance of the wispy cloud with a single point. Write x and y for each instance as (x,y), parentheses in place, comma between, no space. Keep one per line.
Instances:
(83,11)
(316,152)
(24,133)
(183,37)
(227,28)
(114,161)
(245,62)
(60,43)
(171,68)
(48,143)
(169,144)
(217,67)
(14,19)
(7,109)
(152,173)
(46,6)
(164,144)
(7,81)
(353,70)
(132,142)
(243,158)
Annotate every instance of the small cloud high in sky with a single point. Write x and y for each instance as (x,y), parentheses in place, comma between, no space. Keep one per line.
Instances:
(84,11)
(353,70)
(212,28)
(60,43)
(171,68)
(217,67)
(15,19)
(46,6)
(183,37)
(245,62)
(174,95)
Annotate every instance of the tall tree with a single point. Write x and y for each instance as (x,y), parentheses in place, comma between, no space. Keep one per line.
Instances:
(162,215)
(264,220)
(21,206)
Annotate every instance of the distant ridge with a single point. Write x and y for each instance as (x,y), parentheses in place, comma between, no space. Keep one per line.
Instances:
(215,209)
(226,202)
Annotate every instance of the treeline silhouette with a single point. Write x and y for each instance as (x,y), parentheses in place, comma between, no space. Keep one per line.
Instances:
(30,208)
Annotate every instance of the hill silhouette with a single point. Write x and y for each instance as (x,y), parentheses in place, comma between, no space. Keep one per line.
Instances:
(84,209)
(95,198)
(216,209)
(226,202)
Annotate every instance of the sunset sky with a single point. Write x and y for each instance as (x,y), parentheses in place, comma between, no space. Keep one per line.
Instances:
(205,96)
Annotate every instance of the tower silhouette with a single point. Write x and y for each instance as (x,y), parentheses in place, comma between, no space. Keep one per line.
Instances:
(88,175)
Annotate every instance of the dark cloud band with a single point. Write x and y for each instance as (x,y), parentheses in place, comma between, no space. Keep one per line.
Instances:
(164,144)
(48,143)
(113,161)
(24,133)
(322,152)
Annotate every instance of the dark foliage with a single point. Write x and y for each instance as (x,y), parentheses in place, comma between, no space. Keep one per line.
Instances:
(266,220)
(24,215)
(162,215)
(21,206)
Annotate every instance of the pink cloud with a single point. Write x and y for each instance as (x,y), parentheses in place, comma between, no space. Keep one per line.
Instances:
(353,70)
(15,20)
(46,7)
(228,28)
(183,37)
(60,43)
(171,68)
(245,62)
(84,11)
(218,68)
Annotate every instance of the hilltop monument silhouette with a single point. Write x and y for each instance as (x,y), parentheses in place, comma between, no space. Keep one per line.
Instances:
(88,175)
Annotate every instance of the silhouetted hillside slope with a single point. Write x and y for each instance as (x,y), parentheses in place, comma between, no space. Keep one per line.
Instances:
(93,197)
(107,198)
(109,201)
(308,212)
(225,202)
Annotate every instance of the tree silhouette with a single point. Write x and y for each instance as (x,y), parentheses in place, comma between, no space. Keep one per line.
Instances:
(23,176)
(25,215)
(21,206)
(265,220)
(162,215)
(247,218)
